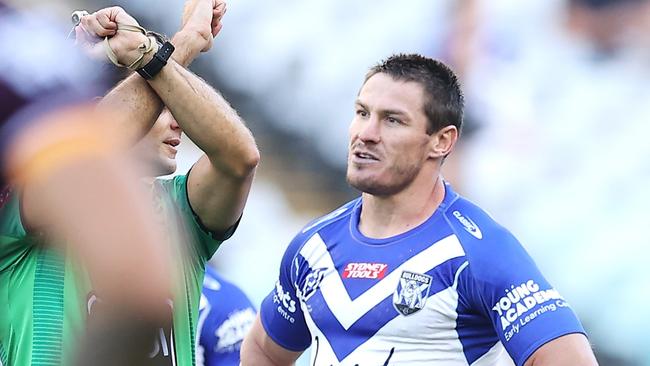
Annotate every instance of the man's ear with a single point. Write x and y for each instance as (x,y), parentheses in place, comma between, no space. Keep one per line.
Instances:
(442,142)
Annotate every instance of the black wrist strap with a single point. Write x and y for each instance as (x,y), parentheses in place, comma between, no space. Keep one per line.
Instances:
(159,60)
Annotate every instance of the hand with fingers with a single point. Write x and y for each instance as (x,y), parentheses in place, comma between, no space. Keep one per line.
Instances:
(202,22)
(127,39)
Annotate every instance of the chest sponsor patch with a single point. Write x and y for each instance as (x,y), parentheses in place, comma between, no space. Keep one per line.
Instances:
(365,270)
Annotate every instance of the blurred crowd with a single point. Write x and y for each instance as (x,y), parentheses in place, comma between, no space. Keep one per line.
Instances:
(555,148)
(561,155)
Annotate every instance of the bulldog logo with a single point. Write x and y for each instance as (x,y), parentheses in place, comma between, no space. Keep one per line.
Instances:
(411,293)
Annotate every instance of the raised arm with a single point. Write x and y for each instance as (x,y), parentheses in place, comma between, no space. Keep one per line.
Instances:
(136,104)
(219,182)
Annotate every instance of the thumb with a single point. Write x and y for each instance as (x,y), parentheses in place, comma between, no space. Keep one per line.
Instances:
(106,17)
(121,16)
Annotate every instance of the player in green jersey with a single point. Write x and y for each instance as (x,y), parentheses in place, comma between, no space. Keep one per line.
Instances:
(74,175)
(49,295)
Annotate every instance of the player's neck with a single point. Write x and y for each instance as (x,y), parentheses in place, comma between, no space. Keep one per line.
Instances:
(383,217)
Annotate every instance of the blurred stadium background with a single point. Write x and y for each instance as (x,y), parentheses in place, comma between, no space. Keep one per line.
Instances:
(555,146)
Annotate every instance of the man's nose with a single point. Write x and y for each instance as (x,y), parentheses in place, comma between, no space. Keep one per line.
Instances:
(370,131)
(174,125)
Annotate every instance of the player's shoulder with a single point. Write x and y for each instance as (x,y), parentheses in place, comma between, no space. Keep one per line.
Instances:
(217,289)
(471,223)
(10,215)
(341,214)
(213,281)
(483,239)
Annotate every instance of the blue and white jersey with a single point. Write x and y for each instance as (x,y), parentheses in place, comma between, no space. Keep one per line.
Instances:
(225,317)
(455,290)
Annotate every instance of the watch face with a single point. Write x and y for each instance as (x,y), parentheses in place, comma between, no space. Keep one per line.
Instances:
(159,60)
(168,49)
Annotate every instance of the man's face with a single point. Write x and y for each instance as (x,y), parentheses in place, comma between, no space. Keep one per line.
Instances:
(388,139)
(157,149)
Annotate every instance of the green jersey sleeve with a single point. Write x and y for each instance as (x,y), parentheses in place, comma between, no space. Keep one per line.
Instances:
(14,243)
(204,241)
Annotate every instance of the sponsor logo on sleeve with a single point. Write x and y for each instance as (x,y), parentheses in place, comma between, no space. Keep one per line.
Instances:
(286,305)
(365,270)
(411,293)
(524,303)
(232,331)
(468,224)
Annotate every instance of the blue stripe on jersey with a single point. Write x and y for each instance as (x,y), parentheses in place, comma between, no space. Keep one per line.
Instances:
(361,331)
(474,328)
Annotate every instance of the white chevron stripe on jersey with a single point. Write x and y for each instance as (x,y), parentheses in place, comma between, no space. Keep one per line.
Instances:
(423,338)
(348,311)
(427,337)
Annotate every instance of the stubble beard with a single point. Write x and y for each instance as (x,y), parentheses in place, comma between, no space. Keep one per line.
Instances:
(399,179)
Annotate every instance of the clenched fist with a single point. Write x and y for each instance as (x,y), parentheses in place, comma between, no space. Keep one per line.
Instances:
(104,23)
(203,18)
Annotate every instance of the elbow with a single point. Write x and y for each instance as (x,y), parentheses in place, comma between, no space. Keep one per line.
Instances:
(244,167)
(253,158)
(250,161)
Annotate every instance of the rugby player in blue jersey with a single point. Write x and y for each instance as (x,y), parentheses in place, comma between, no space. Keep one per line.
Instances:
(411,273)
(225,317)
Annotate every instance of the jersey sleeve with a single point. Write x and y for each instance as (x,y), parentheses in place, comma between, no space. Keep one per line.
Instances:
(206,241)
(281,313)
(525,310)
(225,318)
(13,237)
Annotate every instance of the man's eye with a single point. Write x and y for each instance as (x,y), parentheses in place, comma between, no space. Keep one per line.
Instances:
(362,113)
(393,120)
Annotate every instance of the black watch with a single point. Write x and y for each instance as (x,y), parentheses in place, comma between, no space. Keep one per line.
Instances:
(159,60)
